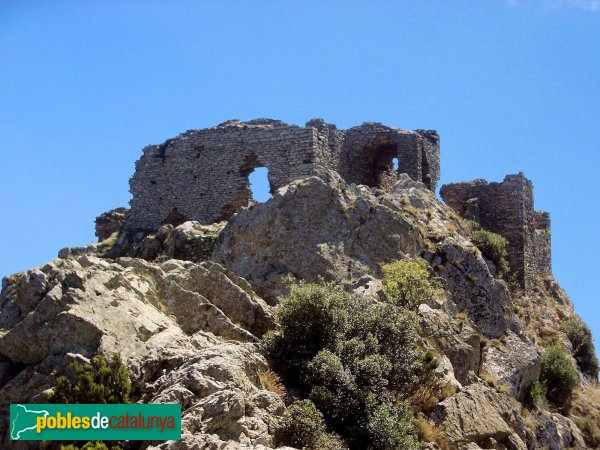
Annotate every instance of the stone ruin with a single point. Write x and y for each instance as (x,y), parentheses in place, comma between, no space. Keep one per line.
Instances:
(507,209)
(203,175)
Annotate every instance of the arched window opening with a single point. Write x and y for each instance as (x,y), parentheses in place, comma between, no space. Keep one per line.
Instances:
(259,184)
(395,164)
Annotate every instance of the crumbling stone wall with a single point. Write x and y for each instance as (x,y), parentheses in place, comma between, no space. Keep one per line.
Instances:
(542,243)
(203,174)
(507,209)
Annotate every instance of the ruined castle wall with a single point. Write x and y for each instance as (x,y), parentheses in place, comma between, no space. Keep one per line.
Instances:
(369,149)
(542,243)
(203,175)
(505,208)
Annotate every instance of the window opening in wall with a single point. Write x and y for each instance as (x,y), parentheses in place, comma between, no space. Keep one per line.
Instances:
(259,184)
(395,164)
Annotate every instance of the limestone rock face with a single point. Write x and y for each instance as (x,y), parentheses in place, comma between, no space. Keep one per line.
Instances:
(323,227)
(515,363)
(190,241)
(315,228)
(457,339)
(188,330)
(221,398)
(478,414)
(553,431)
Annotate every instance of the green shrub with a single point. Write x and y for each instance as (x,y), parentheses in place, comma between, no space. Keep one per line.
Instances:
(304,427)
(390,427)
(309,319)
(97,382)
(492,247)
(583,345)
(558,374)
(536,395)
(408,283)
(348,354)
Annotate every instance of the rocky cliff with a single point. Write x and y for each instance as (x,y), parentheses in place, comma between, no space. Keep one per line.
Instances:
(186,307)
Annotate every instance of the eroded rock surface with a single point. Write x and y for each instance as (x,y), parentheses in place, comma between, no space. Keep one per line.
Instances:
(478,414)
(514,362)
(188,330)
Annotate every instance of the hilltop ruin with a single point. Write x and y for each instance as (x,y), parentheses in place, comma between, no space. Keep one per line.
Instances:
(202,175)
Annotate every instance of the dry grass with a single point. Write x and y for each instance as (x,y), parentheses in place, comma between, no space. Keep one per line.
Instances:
(425,399)
(493,382)
(585,411)
(428,432)
(272,382)
(462,316)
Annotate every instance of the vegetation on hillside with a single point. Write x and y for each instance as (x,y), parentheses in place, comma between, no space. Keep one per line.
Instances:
(558,375)
(354,361)
(98,382)
(408,283)
(493,247)
(583,345)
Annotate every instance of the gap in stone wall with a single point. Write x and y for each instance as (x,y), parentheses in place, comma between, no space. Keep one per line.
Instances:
(259,184)
(396,164)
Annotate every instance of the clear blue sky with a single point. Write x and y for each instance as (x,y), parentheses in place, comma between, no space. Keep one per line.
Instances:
(509,85)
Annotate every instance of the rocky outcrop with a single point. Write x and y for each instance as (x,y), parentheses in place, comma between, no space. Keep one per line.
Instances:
(553,431)
(513,362)
(222,400)
(458,340)
(477,415)
(315,228)
(109,223)
(323,227)
(188,330)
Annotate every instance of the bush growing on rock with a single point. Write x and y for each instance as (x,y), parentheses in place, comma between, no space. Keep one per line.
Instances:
(408,283)
(492,246)
(98,382)
(583,345)
(355,359)
(304,427)
(390,427)
(558,375)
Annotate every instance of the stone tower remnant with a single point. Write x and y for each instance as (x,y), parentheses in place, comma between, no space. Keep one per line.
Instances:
(507,208)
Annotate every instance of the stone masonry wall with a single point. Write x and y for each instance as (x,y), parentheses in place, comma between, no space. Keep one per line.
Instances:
(507,209)
(542,243)
(203,174)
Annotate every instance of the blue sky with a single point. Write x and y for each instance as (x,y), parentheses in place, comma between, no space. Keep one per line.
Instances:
(509,85)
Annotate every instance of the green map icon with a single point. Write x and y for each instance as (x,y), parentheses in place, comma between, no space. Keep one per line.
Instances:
(23,419)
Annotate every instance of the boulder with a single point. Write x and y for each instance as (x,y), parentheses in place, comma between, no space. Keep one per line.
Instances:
(477,414)
(553,431)
(312,228)
(513,361)
(457,338)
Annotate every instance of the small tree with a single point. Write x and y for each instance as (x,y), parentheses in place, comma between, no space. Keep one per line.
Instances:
(97,382)
(583,345)
(304,427)
(558,374)
(408,283)
(355,359)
